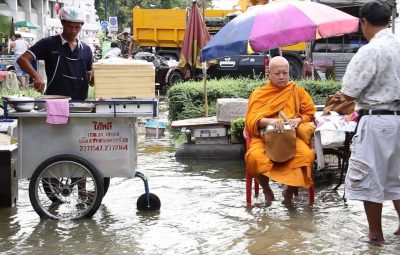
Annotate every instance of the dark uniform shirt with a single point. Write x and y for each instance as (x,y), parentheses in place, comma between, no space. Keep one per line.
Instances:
(47,49)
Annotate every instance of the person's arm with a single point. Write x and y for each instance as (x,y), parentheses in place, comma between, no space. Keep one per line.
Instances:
(89,71)
(131,47)
(346,97)
(306,106)
(120,36)
(263,122)
(10,47)
(24,61)
(278,124)
(359,72)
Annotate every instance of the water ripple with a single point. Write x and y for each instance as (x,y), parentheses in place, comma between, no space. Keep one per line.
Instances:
(203,211)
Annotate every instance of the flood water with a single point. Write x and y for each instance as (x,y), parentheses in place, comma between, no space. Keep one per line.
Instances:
(203,211)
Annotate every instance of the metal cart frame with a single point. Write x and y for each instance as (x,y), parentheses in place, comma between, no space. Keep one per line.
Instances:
(70,165)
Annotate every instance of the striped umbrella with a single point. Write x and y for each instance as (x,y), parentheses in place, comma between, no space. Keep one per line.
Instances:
(277,24)
(196,37)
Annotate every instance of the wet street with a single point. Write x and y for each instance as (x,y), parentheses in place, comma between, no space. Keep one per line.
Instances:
(203,211)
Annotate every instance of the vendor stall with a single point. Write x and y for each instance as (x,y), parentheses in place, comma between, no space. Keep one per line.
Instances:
(69,165)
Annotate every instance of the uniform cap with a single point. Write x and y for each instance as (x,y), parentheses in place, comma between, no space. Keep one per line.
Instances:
(72,14)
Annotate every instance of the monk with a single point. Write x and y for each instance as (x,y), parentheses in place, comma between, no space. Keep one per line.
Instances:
(280,94)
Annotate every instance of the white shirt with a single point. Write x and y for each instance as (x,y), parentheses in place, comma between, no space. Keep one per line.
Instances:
(20,46)
(373,74)
(113,53)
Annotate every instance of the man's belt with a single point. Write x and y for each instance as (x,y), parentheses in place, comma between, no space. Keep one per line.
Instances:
(377,112)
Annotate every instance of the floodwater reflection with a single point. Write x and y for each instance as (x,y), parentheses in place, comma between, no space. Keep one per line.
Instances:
(203,211)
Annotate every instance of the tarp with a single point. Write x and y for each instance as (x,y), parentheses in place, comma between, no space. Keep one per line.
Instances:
(6,25)
(345,3)
(25,23)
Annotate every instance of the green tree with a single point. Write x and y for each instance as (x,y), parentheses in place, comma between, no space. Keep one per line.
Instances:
(122,9)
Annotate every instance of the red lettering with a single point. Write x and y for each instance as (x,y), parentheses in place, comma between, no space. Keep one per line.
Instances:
(102,126)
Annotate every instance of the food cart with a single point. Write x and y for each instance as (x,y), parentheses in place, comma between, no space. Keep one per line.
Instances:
(70,165)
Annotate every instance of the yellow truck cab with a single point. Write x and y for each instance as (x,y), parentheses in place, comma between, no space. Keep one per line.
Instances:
(164,29)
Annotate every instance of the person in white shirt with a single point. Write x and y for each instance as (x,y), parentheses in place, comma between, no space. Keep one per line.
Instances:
(114,51)
(372,78)
(19,46)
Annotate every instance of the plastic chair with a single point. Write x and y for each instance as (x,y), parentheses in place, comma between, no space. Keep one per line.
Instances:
(249,179)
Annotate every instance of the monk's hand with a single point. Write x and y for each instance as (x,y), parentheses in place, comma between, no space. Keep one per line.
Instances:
(277,124)
(294,123)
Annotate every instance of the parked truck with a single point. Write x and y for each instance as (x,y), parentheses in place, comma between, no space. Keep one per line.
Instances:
(163,30)
(330,56)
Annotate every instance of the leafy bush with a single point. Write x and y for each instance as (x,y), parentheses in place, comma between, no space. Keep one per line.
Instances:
(319,90)
(236,129)
(186,100)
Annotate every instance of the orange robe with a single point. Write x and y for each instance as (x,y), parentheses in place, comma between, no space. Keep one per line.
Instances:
(266,102)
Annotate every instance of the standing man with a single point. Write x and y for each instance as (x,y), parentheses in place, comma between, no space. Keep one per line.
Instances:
(372,78)
(19,46)
(125,43)
(68,61)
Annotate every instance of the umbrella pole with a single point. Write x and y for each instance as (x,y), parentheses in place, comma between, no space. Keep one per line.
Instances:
(204,67)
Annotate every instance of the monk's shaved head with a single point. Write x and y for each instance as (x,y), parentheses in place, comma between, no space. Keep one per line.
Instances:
(278,61)
(279,71)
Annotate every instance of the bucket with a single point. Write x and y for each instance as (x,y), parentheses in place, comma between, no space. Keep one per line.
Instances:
(154,128)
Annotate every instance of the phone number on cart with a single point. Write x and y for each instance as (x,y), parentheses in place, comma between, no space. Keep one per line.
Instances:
(119,147)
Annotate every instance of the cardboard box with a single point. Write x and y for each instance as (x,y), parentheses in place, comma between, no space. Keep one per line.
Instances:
(117,78)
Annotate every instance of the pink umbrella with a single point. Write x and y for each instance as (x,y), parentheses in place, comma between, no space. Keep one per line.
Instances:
(278,24)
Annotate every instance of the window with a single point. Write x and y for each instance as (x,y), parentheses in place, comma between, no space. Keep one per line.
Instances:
(340,44)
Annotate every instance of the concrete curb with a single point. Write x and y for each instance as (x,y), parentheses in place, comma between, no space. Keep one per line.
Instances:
(216,151)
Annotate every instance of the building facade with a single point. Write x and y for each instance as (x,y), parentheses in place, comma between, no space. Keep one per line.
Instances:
(44,14)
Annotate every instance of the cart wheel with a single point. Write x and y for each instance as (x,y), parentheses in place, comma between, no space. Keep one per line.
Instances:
(52,187)
(154,205)
(66,187)
(106,181)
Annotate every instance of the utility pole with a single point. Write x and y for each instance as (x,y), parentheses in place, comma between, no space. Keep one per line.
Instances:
(106,10)
(204,10)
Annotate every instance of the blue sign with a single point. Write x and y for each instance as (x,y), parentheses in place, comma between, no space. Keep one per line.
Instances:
(113,21)
(104,23)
